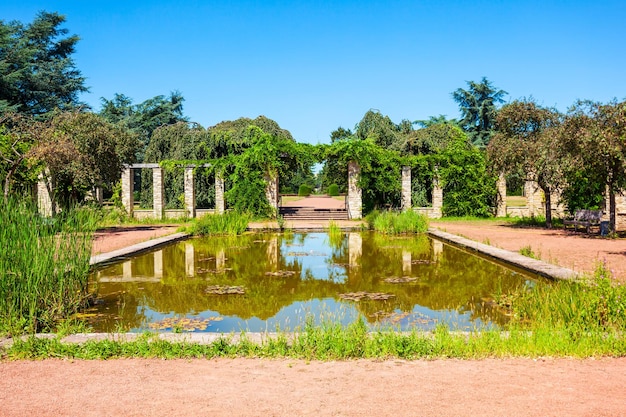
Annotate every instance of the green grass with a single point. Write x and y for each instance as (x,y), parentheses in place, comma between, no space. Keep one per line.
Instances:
(528,251)
(396,223)
(229,223)
(44,265)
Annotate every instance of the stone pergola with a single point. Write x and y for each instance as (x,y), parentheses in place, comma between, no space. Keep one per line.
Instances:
(158,190)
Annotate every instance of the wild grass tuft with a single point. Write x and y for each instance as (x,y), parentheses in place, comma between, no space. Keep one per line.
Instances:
(44,266)
(396,223)
(229,223)
(528,251)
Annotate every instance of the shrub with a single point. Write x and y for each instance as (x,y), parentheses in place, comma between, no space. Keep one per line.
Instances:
(333,190)
(304,190)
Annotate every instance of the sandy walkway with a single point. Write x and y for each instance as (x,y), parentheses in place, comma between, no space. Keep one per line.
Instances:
(258,387)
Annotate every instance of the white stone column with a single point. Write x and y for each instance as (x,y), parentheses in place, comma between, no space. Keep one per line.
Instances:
(533,195)
(190,193)
(355,194)
(271,190)
(406,188)
(128,200)
(44,199)
(437,211)
(501,196)
(158,193)
(220,205)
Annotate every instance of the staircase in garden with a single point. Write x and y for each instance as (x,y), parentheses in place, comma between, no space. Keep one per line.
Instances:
(314,208)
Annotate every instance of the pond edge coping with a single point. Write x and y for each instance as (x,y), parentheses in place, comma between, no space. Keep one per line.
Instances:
(535,266)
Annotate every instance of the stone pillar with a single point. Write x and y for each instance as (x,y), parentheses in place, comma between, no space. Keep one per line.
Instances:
(437,211)
(406,188)
(99,195)
(271,190)
(620,211)
(44,199)
(533,196)
(158,193)
(220,205)
(501,196)
(190,193)
(128,200)
(355,194)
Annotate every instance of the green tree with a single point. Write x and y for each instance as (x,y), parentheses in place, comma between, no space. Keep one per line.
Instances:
(382,130)
(18,134)
(478,106)
(144,118)
(596,135)
(80,151)
(528,136)
(37,72)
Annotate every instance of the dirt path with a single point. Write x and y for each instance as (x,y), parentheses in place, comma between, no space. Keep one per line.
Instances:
(577,251)
(113,238)
(258,387)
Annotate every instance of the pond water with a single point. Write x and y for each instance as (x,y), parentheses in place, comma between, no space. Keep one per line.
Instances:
(266,282)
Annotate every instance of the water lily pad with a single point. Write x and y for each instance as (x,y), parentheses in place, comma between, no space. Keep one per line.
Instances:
(363,295)
(224,290)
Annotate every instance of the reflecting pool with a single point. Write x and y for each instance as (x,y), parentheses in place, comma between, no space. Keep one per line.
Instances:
(266,282)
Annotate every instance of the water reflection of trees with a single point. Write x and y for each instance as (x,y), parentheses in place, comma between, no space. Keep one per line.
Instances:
(447,278)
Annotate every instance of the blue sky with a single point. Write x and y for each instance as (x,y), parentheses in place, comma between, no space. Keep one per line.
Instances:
(316,65)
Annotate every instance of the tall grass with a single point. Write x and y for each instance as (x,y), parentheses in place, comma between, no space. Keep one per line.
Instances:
(229,223)
(44,266)
(395,223)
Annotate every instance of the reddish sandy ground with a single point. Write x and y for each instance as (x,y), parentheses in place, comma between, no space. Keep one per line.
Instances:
(262,387)
(112,238)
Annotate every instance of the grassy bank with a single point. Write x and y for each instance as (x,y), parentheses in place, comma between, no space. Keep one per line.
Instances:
(44,265)
(229,223)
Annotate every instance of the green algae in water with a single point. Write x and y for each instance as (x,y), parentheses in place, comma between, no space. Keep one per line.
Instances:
(266,282)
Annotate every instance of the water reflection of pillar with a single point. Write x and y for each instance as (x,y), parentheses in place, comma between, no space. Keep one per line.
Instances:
(158,264)
(272,253)
(406,262)
(355,249)
(190,260)
(127,270)
(220,260)
(437,250)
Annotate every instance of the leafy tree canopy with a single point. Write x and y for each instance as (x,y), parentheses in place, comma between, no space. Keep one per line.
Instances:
(37,72)
(478,106)
(144,118)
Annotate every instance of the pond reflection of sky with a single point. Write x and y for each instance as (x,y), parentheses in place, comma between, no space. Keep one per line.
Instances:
(313,252)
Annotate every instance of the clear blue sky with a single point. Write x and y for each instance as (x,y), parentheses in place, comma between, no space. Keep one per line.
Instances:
(316,65)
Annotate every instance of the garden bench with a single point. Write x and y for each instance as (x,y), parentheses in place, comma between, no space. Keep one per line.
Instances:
(584,218)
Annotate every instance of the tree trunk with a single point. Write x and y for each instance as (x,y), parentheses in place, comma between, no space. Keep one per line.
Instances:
(548,207)
(611,210)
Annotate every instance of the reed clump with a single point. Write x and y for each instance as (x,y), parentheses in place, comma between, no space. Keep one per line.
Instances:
(229,223)
(44,266)
(397,223)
